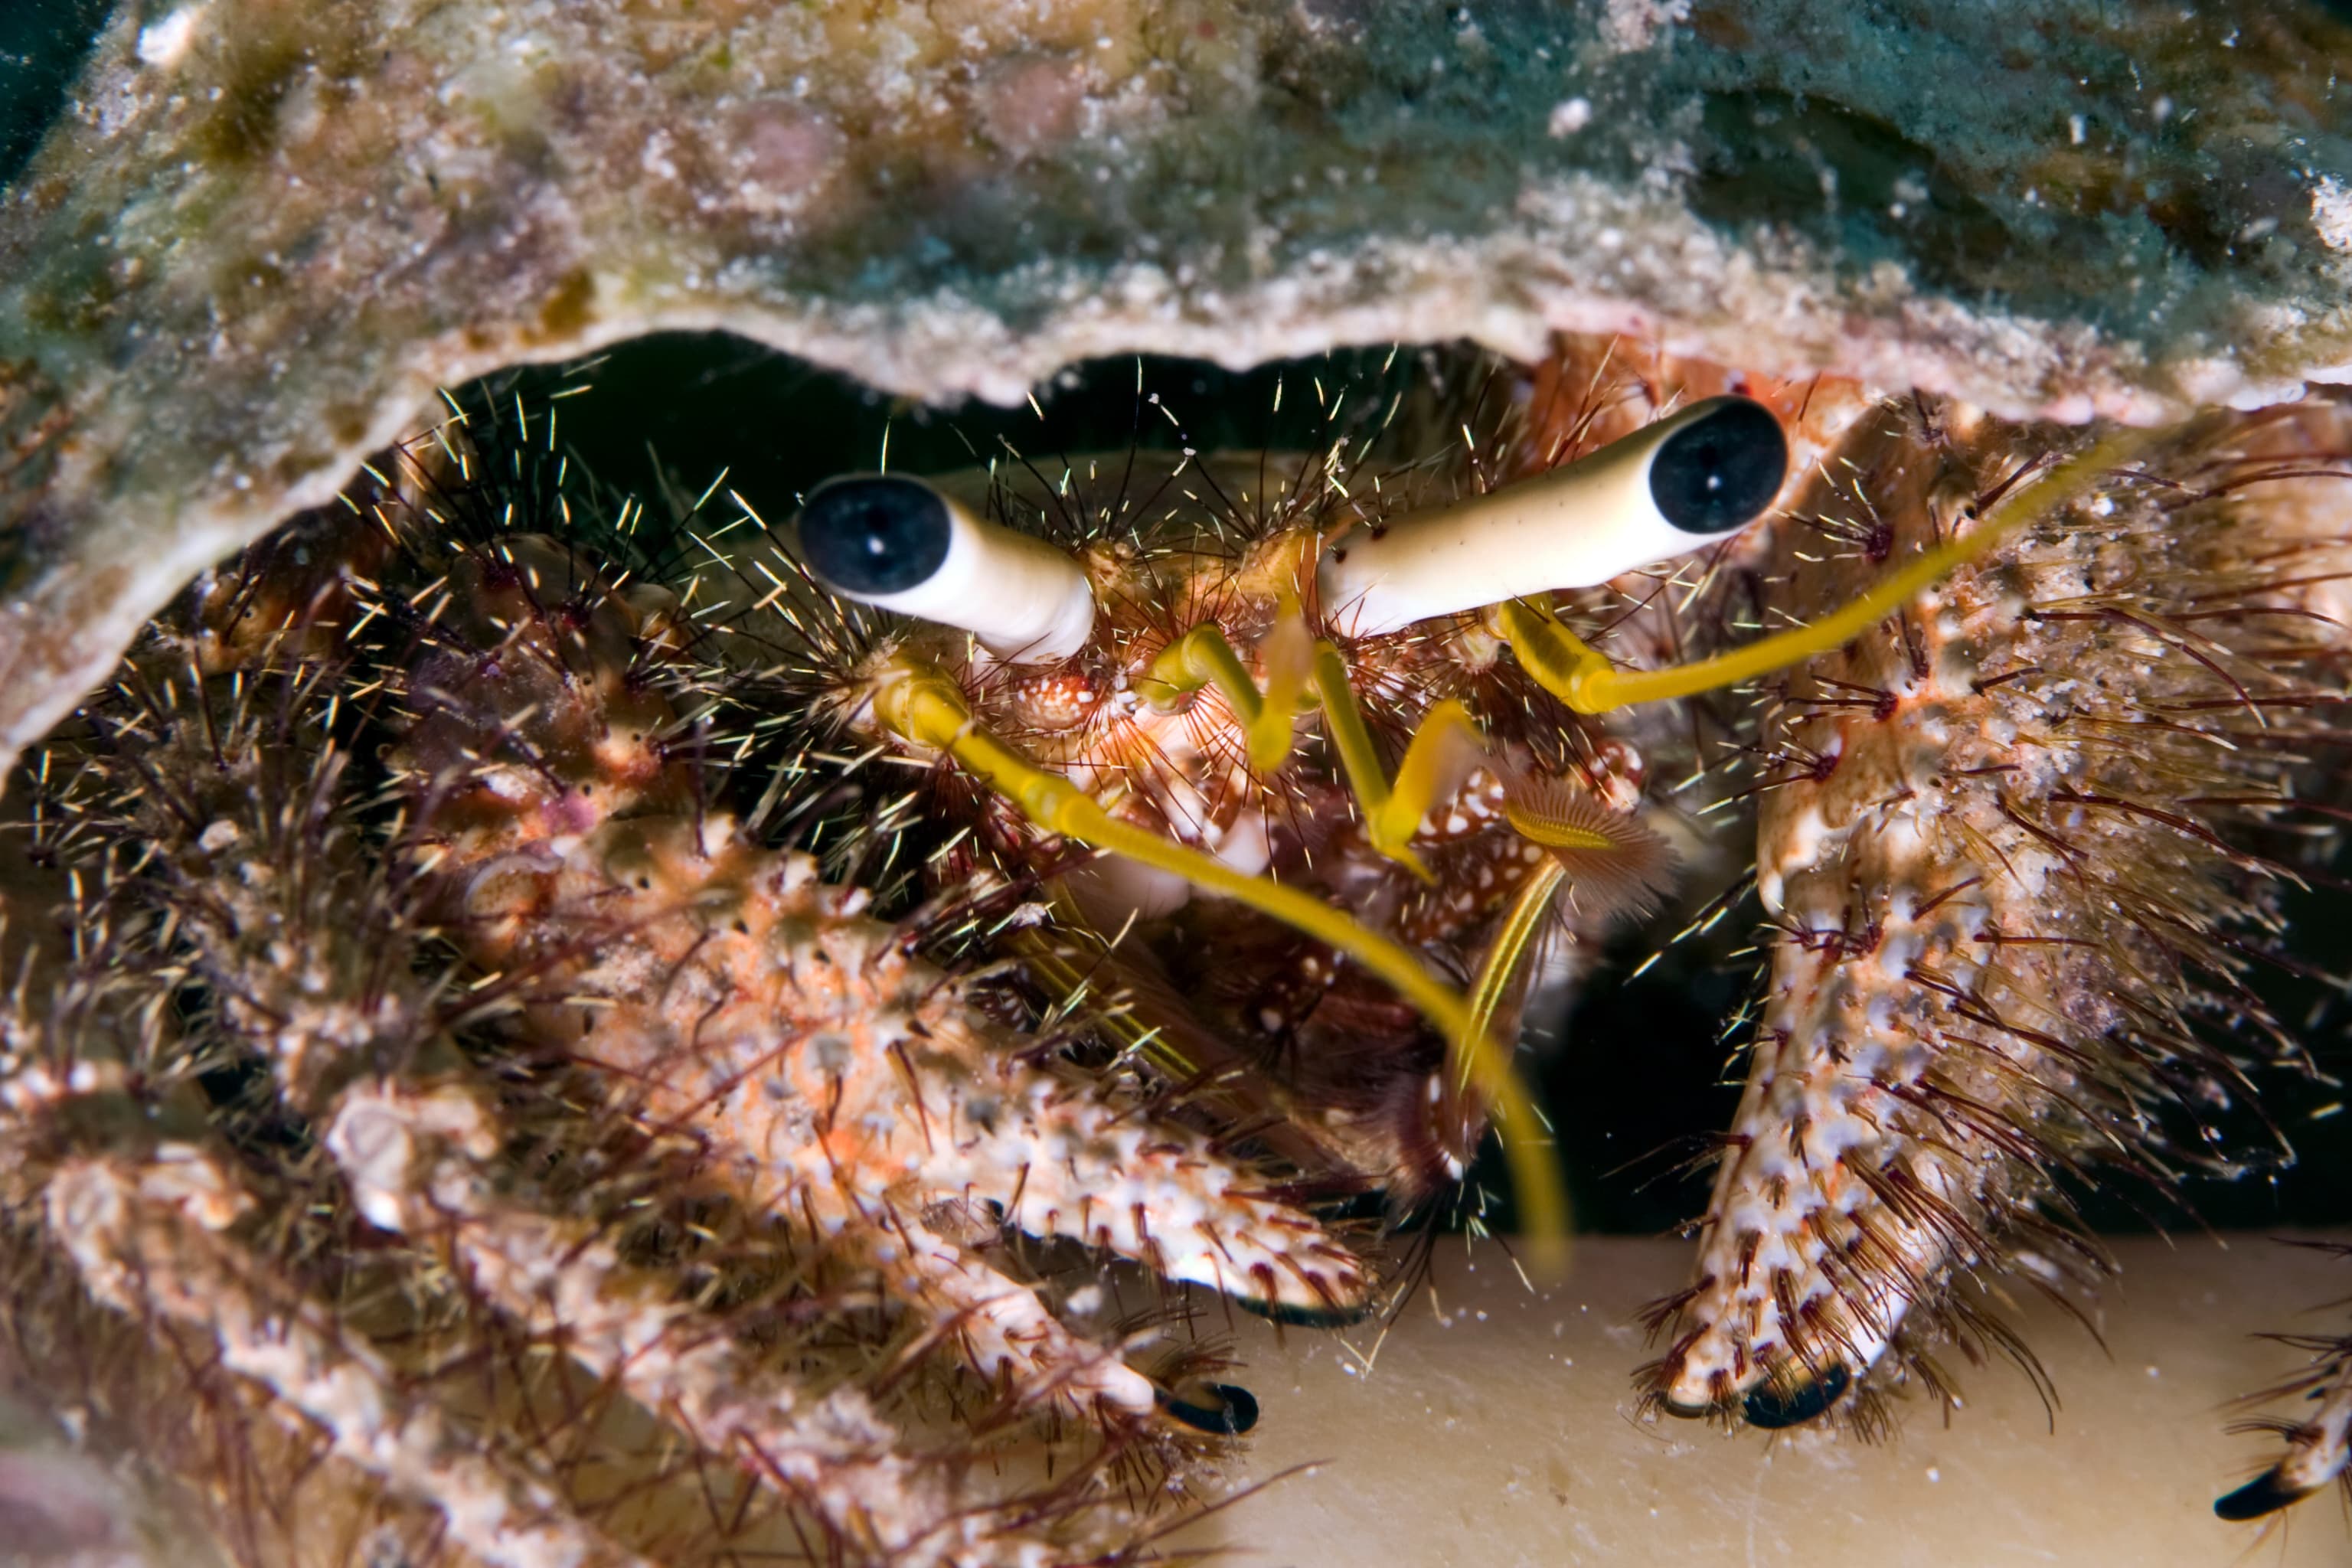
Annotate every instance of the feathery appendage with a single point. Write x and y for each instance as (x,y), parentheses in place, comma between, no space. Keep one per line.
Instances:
(2010,847)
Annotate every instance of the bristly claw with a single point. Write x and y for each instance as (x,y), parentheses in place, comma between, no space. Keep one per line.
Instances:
(742,1081)
(2006,951)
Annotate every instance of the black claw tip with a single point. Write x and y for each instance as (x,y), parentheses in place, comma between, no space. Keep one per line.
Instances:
(1772,1408)
(2258,1497)
(1718,472)
(1303,1317)
(1685,1412)
(874,535)
(1234,1412)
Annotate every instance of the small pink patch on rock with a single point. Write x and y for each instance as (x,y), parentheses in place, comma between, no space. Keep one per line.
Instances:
(1029,103)
(781,156)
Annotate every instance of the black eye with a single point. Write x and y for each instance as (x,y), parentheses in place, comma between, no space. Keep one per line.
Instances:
(1716,473)
(874,534)
(1769,1407)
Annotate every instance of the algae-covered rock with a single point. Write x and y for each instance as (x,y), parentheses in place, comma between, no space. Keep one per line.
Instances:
(264,229)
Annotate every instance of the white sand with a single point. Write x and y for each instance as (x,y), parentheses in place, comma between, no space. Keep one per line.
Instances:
(1504,1432)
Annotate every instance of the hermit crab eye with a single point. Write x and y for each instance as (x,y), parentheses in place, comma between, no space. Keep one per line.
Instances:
(906,546)
(1716,473)
(875,535)
(1700,474)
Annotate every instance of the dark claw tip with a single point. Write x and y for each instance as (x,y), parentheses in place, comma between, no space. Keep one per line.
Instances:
(1716,473)
(1773,1408)
(1303,1317)
(871,534)
(2258,1497)
(1234,1413)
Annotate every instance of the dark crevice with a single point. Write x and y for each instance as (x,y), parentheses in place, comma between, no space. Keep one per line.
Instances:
(44,44)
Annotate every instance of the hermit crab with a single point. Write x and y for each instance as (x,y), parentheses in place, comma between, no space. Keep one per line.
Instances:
(2040,724)
(1155,694)
(695,968)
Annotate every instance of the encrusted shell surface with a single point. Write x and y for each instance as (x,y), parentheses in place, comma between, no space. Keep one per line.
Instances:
(264,230)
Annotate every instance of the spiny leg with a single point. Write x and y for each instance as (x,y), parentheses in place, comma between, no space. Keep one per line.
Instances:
(147,1237)
(1955,937)
(1006,1332)
(930,709)
(1093,1173)
(417,1161)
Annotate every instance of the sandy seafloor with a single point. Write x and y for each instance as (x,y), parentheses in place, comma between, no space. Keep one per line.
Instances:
(1496,1427)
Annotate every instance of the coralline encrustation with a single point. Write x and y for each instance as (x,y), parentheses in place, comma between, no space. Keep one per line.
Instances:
(265,229)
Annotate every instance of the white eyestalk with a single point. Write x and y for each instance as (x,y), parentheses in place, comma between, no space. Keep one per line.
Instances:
(899,544)
(1660,492)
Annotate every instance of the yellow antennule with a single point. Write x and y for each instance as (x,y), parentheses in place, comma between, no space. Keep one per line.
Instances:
(1506,954)
(1589,683)
(929,709)
(1443,751)
(1203,657)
